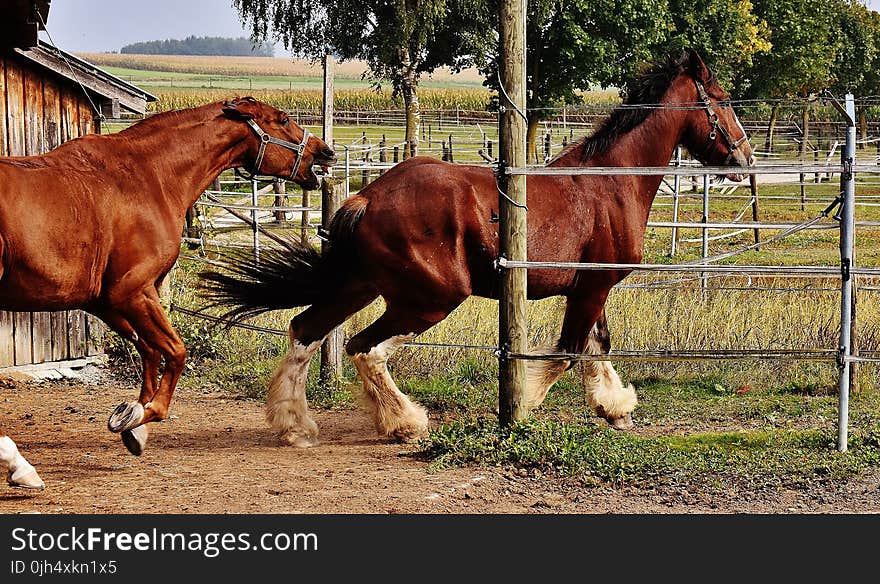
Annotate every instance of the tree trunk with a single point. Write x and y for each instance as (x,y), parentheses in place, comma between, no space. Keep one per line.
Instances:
(863,126)
(771,128)
(531,140)
(409,84)
(805,128)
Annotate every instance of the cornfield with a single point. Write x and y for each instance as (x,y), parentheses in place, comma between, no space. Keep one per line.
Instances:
(345,99)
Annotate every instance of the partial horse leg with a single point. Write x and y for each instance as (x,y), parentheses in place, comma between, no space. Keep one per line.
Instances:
(147,318)
(20,473)
(134,439)
(604,391)
(287,410)
(394,414)
(584,329)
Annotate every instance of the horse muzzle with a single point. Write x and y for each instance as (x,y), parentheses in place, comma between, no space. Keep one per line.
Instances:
(743,163)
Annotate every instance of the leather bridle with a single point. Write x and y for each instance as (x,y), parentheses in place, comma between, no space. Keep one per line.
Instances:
(266,139)
(717,128)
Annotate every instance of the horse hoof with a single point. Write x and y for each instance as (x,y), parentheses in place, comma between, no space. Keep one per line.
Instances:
(135,439)
(299,440)
(125,417)
(621,423)
(408,434)
(27,480)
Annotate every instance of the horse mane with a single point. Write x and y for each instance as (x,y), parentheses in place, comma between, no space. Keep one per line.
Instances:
(648,89)
(160,121)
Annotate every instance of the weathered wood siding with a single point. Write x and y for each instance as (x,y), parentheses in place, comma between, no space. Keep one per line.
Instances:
(37,113)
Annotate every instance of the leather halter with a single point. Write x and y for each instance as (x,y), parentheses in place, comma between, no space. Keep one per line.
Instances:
(266,139)
(717,128)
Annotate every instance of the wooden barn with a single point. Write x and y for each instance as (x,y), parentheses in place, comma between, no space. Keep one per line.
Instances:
(48,96)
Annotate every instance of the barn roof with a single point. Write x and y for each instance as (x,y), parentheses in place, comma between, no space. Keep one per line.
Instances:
(19,29)
(21,23)
(98,83)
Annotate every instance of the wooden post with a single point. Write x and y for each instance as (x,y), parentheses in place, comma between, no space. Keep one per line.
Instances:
(489,149)
(304,216)
(753,185)
(512,227)
(451,154)
(279,188)
(331,349)
(396,155)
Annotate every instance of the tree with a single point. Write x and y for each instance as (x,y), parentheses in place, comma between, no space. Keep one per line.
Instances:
(800,64)
(726,33)
(856,67)
(400,39)
(577,45)
(573,46)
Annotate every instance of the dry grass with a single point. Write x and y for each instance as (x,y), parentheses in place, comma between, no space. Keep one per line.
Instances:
(252,66)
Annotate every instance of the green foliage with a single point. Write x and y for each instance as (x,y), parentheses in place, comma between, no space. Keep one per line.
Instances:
(805,47)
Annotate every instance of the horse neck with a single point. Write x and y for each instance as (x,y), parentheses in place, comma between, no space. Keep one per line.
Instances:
(190,151)
(651,143)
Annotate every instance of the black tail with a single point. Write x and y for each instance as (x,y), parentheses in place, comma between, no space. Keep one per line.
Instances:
(297,275)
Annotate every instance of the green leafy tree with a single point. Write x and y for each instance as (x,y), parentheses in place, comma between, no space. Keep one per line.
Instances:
(573,46)
(800,64)
(726,33)
(577,45)
(856,67)
(400,39)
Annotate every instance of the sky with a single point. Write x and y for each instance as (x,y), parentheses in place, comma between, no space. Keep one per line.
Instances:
(94,26)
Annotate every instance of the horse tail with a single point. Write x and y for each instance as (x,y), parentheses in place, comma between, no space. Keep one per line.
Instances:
(294,275)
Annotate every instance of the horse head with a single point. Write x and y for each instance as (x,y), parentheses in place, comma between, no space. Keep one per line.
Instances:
(281,147)
(714,134)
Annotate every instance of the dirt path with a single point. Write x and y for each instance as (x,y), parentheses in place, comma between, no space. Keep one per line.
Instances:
(216,455)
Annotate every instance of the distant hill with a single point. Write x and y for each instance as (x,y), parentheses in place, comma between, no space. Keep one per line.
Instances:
(193,45)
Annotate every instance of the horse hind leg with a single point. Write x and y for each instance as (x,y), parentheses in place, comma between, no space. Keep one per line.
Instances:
(20,473)
(287,410)
(396,417)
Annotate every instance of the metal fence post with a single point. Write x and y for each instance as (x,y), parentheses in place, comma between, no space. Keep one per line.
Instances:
(705,247)
(255,227)
(847,252)
(676,190)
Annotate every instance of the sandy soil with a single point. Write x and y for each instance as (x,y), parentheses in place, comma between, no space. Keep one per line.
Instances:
(216,455)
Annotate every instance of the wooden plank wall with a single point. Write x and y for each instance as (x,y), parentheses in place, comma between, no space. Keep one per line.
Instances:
(37,113)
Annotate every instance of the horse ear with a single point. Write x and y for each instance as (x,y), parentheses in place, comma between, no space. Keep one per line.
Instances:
(239,109)
(698,67)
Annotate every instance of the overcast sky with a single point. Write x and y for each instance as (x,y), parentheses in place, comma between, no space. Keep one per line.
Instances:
(108,25)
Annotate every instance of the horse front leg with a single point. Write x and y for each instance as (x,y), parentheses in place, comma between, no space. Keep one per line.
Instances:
(585,330)
(155,338)
(20,473)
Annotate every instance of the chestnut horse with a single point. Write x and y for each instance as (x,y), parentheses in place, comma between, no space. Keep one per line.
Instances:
(95,225)
(422,237)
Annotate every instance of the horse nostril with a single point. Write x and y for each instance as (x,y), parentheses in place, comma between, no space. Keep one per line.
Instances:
(328,153)
(752,160)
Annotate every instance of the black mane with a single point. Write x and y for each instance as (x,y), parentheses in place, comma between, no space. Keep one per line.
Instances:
(647,89)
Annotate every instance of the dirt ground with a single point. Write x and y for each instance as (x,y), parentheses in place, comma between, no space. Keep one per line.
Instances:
(216,455)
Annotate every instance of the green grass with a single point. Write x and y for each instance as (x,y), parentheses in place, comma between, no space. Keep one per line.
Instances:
(687,432)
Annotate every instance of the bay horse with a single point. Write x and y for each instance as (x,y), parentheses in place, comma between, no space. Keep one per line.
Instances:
(96,223)
(423,237)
